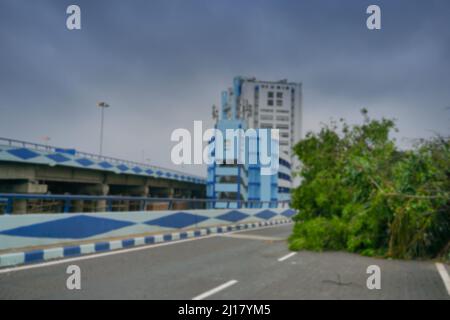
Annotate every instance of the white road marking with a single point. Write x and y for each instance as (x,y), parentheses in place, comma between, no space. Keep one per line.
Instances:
(99,255)
(215,290)
(110,253)
(287,256)
(444,275)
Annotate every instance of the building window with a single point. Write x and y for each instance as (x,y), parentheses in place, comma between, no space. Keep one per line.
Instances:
(279,95)
(279,103)
(282,118)
(270,102)
(270,94)
(227,179)
(284,176)
(266,117)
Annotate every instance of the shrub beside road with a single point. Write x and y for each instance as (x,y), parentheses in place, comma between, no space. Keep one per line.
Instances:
(361,193)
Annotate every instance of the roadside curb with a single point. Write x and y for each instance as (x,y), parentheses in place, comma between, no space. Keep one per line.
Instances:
(35,256)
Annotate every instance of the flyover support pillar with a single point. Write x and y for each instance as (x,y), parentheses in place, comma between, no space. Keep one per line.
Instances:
(19,205)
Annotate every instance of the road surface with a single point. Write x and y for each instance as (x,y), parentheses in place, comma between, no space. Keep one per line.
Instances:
(242,265)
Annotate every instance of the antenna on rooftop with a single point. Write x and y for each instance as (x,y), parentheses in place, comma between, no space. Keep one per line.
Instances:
(215,112)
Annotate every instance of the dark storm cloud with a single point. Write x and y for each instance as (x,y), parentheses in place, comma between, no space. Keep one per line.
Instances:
(162,64)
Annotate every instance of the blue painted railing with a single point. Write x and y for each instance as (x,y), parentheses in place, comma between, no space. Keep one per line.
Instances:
(65,203)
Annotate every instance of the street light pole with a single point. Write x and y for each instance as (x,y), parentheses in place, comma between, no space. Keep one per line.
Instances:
(102,105)
(46,139)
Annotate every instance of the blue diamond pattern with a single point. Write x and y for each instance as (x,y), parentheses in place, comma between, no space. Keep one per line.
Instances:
(122,167)
(149,171)
(23,153)
(105,165)
(77,227)
(233,216)
(288,213)
(177,220)
(168,175)
(266,214)
(159,173)
(57,157)
(85,162)
(137,170)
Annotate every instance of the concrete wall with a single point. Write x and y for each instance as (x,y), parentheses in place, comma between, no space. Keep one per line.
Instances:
(19,231)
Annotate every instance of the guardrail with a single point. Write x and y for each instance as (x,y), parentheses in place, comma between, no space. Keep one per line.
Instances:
(47,203)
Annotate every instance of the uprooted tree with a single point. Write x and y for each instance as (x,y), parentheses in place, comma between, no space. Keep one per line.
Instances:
(360,193)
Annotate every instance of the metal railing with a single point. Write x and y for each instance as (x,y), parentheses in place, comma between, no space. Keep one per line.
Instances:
(112,160)
(47,203)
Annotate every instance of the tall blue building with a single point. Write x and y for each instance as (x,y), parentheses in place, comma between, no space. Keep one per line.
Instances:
(237,172)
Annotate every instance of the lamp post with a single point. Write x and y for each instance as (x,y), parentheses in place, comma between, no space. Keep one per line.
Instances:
(103,106)
(46,139)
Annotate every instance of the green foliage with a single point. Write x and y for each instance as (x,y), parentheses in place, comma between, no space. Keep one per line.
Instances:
(318,234)
(360,193)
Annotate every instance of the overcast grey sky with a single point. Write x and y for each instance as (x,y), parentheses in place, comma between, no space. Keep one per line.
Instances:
(162,64)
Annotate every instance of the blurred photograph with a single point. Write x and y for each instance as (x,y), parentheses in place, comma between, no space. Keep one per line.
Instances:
(231,158)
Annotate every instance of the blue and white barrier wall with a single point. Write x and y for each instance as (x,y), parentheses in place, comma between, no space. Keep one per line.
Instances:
(20,232)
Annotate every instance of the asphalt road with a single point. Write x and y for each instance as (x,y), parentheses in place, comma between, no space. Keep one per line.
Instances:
(242,265)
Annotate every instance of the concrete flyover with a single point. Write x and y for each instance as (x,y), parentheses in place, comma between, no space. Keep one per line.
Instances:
(38,169)
(237,266)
